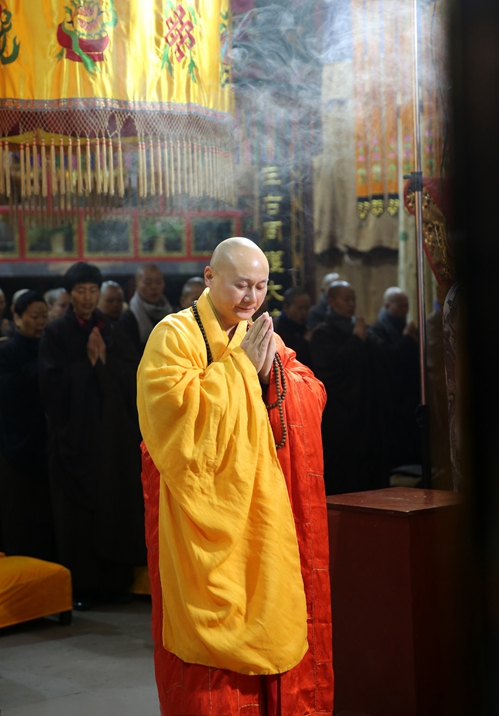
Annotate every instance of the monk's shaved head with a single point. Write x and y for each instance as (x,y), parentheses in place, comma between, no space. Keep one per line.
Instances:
(396,302)
(237,251)
(237,278)
(392,294)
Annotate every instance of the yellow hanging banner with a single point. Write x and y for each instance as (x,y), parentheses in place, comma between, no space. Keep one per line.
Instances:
(115,54)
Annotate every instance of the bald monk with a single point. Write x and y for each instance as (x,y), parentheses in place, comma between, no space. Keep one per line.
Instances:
(235,506)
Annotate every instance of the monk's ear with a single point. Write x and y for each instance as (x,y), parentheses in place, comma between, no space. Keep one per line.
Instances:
(208,276)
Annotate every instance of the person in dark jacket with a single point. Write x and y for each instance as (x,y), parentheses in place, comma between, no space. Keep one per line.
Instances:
(87,377)
(25,501)
(291,324)
(400,343)
(350,363)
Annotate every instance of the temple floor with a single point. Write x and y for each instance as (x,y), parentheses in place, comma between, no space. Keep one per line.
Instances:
(101,665)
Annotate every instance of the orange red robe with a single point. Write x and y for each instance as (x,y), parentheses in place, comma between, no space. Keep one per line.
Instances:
(194,689)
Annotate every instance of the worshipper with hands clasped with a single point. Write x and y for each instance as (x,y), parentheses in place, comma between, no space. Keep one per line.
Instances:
(291,324)
(350,362)
(25,503)
(236,520)
(400,342)
(148,305)
(87,378)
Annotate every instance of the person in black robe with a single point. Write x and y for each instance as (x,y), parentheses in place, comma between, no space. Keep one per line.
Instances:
(291,324)
(400,343)
(349,361)
(87,376)
(25,502)
(317,314)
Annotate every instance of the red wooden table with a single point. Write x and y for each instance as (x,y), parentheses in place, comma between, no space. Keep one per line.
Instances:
(393,581)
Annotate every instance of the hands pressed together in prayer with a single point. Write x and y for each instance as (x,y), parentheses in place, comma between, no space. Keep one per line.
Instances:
(259,345)
(360,329)
(411,331)
(96,348)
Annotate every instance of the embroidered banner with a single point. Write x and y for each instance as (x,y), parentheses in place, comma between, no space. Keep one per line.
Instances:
(83,82)
(383,68)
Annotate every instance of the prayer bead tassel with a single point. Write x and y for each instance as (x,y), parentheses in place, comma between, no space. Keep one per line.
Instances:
(151,167)
(121,176)
(62,173)
(110,156)
(44,170)
(2,172)
(7,167)
(98,173)
(53,174)
(70,166)
(79,167)
(21,156)
(89,167)
(105,173)
(28,170)
(159,164)
(166,170)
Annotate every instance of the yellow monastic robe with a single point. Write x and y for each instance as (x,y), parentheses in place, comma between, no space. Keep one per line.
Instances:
(233,594)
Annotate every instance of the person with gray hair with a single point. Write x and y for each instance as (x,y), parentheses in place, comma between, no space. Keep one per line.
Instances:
(57,300)
(317,314)
(111,300)
(400,344)
(9,327)
(148,305)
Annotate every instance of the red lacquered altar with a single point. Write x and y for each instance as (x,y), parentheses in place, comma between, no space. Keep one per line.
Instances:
(393,582)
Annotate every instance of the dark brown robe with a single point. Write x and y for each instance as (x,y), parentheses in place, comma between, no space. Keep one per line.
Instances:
(94,455)
(27,523)
(354,430)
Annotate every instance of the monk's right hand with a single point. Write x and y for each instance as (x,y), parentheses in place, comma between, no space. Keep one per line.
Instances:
(256,341)
(93,346)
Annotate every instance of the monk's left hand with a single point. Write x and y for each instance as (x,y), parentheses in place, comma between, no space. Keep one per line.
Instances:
(264,373)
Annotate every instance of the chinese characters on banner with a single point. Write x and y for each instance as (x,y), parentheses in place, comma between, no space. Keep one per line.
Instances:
(275,232)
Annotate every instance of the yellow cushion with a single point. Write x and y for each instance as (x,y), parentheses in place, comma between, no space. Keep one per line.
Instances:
(31,588)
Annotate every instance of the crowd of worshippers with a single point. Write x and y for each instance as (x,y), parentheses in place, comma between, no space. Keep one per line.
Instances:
(70,488)
(372,380)
(70,465)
